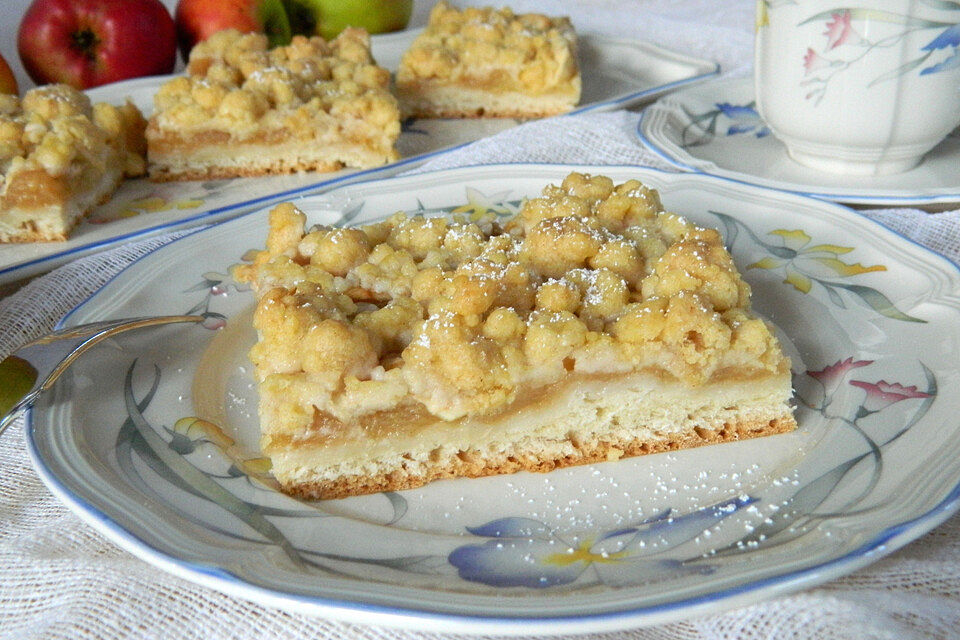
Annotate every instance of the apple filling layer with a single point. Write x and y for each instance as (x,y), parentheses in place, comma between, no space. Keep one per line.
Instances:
(580,420)
(490,62)
(59,157)
(593,325)
(245,110)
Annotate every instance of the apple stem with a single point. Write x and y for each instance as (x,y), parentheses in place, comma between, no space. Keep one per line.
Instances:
(85,40)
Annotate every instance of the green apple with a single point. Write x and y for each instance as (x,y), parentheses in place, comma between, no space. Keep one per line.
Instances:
(327,18)
(16,379)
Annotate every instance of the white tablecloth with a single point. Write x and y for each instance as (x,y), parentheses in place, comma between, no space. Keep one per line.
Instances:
(61,579)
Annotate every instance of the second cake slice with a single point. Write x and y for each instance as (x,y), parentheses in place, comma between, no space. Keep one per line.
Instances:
(244,110)
(490,62)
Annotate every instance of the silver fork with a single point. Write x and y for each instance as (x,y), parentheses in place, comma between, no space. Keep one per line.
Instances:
(34,367)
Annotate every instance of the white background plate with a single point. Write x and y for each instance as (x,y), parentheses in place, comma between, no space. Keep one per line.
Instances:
(639,541)
(616,73)
(740,148)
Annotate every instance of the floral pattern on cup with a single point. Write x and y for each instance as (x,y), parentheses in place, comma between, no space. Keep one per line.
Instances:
(846,45)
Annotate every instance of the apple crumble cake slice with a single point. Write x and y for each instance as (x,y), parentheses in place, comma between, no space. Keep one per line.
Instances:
(245,110)
(594,325)
(490,62)
(59,157)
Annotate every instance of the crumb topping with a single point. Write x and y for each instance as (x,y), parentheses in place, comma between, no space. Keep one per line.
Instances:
(591,277)
(308,88)
(56,129)
(493,49)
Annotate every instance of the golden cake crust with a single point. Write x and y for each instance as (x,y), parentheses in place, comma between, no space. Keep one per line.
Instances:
(472,464)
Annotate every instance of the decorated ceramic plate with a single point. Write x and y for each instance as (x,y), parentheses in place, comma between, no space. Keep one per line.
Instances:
(715,129)
(152,439)
(615,73)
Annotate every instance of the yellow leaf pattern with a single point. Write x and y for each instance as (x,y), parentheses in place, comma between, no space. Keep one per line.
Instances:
(795,239)
(150,204)
(844,269)
(799,281)
(256,466)
(804,265)
(197,428)
(583,554)
(829,248)
(766,263)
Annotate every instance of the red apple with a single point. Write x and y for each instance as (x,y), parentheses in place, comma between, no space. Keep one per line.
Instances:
(86,43)
(8,83)
(197,20)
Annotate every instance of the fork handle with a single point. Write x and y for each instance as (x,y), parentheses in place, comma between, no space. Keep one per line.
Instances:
(46,358)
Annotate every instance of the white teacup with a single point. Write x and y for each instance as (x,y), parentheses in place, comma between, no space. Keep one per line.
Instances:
(858,87)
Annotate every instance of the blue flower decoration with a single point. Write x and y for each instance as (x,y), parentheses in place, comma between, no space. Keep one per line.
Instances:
(747,128)
(745,117)
(950,63)
(522,552)
(738,112)
(950,37)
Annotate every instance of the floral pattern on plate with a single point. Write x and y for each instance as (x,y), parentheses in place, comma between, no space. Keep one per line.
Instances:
(702,127)
(131,443)
(803,265)
(522,551)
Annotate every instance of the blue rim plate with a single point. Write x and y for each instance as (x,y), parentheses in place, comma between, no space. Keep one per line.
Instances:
(617,73)
(152,440)
(715,129)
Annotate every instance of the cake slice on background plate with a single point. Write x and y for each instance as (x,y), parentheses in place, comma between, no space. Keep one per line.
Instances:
(60,156)
(246,110)
(490,62)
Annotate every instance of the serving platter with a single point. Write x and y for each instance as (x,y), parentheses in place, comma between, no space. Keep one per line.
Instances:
(153,438)
(616,73)
(716,129)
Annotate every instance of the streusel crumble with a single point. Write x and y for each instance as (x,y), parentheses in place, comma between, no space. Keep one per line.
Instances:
(244,109)
(490,62)
(594,325)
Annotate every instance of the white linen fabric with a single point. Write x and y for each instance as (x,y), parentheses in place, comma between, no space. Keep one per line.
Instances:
(61,579)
